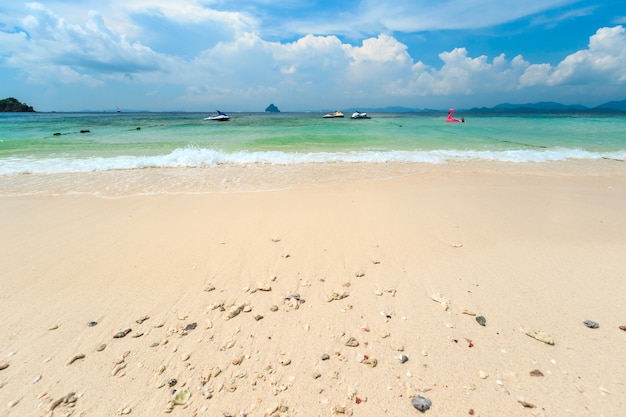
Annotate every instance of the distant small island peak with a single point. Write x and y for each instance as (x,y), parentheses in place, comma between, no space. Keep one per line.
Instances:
(272,109)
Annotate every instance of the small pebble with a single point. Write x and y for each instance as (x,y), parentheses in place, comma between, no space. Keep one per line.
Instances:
(591,324)
(325,357)
(172,382)
(75,358)
(352,342)
(121,334)
(481,320)
(116,370)
(402,358)
(421,403)
(182,397)
(525,403)
(536,372)
(540,335)
(622,328)
(101,347)
(371,362)
(92,323)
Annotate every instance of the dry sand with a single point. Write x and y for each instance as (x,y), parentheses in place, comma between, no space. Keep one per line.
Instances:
(238,295)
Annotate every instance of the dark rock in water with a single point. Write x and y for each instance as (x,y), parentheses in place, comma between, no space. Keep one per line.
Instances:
(591,324)
(481,320)
(85,131)
(272,109)
(421,403)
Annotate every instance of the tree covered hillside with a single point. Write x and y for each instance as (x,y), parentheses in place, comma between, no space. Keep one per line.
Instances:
(13,105)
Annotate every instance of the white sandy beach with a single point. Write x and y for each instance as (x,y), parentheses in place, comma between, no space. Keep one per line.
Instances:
(237,294)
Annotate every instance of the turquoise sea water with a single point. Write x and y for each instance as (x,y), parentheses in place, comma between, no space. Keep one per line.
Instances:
(122,141)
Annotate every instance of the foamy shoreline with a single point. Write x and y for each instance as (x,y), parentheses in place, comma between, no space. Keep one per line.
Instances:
(253,301)
(269,177)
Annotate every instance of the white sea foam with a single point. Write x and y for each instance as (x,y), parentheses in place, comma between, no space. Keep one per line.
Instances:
(201,157)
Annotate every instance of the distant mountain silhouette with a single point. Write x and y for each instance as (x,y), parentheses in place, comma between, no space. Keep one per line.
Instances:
(613,105)
(540,107)
(550,106)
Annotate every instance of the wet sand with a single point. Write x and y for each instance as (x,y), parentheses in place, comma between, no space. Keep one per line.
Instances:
(301,300)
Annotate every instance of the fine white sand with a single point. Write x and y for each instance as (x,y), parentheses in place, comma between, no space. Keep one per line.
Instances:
(340,256)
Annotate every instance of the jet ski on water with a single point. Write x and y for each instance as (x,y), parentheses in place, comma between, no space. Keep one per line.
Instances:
(359,115)
(333,115)
(219,117)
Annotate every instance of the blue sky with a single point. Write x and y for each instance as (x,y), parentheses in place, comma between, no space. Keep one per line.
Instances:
(199,55)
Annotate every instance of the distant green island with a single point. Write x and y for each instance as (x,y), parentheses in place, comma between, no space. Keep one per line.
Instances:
(13,105)
(272,109)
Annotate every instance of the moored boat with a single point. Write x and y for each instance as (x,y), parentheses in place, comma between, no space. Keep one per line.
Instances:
(359,115)
(219,117)
(332,115)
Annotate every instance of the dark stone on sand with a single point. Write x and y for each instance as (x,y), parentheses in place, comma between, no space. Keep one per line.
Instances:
(481,320)
(591,324)
(121,334)
(421,403)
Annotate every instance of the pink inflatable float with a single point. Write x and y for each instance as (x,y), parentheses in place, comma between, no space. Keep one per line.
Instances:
(450,118)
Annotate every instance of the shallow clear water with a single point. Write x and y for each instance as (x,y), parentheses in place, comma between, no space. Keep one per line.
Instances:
(115,141)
